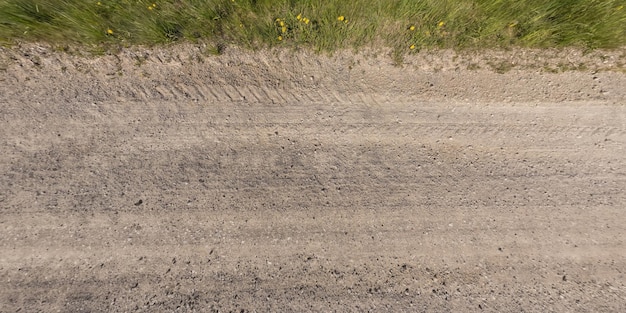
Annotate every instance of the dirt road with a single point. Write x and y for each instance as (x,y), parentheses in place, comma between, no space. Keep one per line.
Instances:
(296,183)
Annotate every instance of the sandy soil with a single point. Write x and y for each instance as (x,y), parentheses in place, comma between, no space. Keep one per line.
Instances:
(171,180)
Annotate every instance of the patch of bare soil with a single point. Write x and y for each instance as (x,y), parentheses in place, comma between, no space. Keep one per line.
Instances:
(160,180)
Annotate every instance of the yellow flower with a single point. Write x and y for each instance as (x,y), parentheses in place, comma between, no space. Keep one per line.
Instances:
(412,28)
(154,5)
(441,24)
(110,31)
(299,17)
(280,38)
(283,29)
(341,18)
(99,3)
(412,47)
(345,22)
(306,20)
(150,8)
(282,24)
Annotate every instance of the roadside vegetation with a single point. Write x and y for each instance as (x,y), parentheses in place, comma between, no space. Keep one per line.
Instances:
(324,25)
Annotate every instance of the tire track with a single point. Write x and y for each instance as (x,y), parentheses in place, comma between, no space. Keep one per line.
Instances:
(299,75)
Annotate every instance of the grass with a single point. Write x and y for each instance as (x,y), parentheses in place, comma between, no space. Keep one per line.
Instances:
(324,25)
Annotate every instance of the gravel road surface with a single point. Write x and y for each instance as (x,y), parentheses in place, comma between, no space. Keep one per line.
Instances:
(166,180)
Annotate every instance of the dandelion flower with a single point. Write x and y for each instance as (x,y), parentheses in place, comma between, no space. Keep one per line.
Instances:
(441,24)
(283,29)
(110,31)
(280,38)
(412,28)
(299,17)
(306,20)
(412,47)
(341,18)
(281,23)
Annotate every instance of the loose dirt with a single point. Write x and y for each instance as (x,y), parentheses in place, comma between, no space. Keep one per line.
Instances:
(161,180)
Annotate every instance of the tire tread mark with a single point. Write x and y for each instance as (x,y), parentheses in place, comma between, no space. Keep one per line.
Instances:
(143,91)
(177,91)
(274,96)
(245,95)
(161,93)
(307,95)
(183,92)
(210,95)
(231,93)
(256,94)
(199,94)
(220,94)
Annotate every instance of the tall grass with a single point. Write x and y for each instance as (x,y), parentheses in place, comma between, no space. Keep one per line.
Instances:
(324,25)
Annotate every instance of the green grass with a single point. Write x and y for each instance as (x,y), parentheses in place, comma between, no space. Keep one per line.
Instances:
(403,25)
